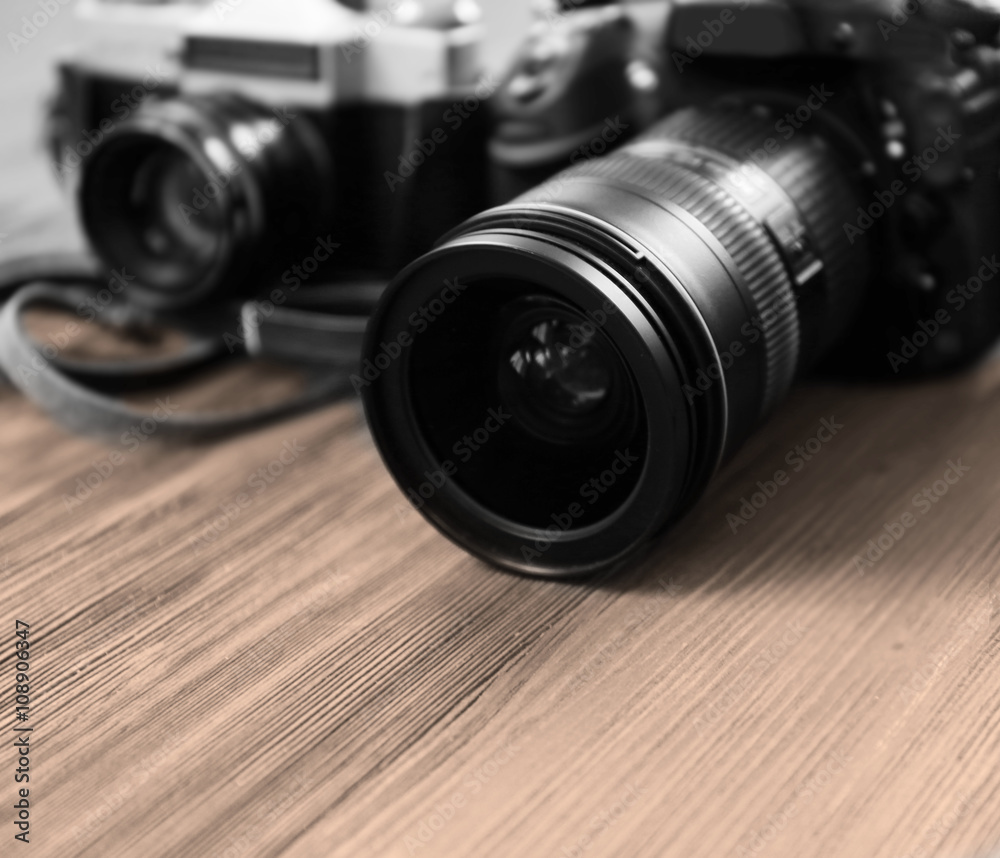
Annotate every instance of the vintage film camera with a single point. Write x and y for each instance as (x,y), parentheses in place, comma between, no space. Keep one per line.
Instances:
(824,187)
(215,144)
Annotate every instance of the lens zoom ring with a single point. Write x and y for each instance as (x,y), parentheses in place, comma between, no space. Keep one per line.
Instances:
(743,237)
(814,177)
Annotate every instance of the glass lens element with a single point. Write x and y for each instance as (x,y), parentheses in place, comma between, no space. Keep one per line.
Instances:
(559,375)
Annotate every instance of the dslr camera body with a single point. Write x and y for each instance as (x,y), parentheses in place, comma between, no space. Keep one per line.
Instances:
(890,83)
(910,93)
(215,144)
(815,182)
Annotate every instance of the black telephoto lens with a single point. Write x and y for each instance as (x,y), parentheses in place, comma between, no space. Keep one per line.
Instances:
(557,381)
(192,196)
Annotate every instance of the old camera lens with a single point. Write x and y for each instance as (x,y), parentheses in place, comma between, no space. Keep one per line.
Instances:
(624,327)
(148,211)
(192,196)
(160,190)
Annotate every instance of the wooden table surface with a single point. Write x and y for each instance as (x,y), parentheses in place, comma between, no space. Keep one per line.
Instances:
(322,674)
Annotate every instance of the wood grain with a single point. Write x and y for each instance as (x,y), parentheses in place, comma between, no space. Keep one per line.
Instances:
(322,674)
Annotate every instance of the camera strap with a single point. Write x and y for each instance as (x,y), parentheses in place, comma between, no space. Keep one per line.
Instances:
(320,336)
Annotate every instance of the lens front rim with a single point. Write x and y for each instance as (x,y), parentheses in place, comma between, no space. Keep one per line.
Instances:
(587,283)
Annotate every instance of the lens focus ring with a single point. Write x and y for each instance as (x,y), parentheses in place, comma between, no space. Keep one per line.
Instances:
(820,185)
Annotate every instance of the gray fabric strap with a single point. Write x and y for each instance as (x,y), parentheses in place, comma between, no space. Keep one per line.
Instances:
(81,395)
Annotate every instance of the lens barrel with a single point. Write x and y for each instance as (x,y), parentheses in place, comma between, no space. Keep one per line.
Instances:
(698,278)
(194,195)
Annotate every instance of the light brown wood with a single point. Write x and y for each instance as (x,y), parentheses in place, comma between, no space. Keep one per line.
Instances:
(322,674)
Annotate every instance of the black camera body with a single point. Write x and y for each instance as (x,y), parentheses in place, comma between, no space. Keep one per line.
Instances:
(913,100)
(889,85)
(814,184)
(214,146)
(587,77)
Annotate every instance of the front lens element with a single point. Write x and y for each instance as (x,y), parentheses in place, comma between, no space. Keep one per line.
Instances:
(521,393)
(161,189)
(158,205)
(559,375)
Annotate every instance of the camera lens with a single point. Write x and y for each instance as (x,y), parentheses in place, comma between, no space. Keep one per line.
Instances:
(516,392)
(559,375)
(558,380)
(160,191)
(193,195)
(153,207)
